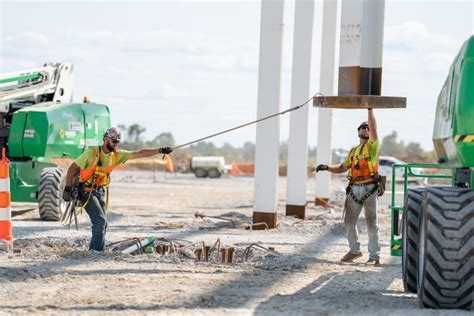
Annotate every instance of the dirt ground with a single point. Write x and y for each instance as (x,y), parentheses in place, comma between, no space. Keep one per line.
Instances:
(52,272)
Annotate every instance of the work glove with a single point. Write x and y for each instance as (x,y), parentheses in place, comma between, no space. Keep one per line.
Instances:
(165,150)
(67,193)
(322,168)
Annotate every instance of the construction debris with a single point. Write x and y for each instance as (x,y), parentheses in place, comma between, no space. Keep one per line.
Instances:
(140,244)
(257,226)
(196,251)
(258,247)
(201,215)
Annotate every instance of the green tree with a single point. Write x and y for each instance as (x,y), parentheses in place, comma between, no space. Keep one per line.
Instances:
(230,153)
(163,140)
(414,150)
(391,147)
(135,132)
(248,151)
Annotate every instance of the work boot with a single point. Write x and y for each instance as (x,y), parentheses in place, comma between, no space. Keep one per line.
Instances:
(350,256)
(373,263)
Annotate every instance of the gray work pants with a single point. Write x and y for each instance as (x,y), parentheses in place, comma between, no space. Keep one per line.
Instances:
(352,211)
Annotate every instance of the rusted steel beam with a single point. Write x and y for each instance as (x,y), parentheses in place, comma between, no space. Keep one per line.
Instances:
(359,102)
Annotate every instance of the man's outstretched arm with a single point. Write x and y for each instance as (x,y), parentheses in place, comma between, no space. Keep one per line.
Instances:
(372,126)
(150,152)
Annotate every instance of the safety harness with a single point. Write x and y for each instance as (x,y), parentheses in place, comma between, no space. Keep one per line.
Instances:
(363,172)
(95,177)
(91,179)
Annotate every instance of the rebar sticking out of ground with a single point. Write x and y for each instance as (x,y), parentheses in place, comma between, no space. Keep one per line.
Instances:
(198,253)
(206,253)
(201,215)
(257,247)
(223,253)
(230,255)
(257,226)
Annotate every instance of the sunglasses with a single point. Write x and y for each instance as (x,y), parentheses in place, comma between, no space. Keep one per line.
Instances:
(115,141)
(364,127)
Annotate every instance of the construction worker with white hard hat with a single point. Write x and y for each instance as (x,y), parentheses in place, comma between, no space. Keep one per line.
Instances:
(364,187)
(94,166)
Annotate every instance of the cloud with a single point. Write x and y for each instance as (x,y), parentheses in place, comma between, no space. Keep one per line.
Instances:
(415,36)
(33,38)
(406,35)
(94,46)
(411,48)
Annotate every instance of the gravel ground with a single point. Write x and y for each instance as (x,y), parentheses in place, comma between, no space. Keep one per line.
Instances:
(52,272)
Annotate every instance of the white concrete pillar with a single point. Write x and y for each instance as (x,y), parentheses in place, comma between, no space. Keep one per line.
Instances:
(300,85)
(268,102)
(360,63)
(326,87)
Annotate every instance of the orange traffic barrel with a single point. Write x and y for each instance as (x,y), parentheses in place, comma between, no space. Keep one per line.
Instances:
(5,199)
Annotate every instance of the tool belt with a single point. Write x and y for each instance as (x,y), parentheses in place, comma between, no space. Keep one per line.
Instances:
(379,187)
(91,187)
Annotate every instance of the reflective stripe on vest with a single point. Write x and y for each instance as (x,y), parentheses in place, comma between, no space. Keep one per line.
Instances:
(94,175)
(361,168)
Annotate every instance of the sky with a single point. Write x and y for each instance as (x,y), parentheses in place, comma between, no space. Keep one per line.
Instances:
(191,67)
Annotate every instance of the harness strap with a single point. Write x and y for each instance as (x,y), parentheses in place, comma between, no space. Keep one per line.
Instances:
(365,197)
(351,158)
(368,158)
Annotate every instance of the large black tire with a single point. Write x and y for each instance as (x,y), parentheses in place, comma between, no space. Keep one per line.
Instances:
(51,204)
(411,226)
(214,173)
(446,249)
(200,173)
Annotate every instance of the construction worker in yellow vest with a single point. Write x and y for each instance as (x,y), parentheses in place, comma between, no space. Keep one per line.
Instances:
(94,166)
(362,191)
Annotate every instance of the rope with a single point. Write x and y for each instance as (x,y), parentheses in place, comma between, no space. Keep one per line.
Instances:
(249,123)
(71,213)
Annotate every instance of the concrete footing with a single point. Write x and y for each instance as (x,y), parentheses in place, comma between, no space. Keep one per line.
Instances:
(321,202)
(298,211)
(268,218)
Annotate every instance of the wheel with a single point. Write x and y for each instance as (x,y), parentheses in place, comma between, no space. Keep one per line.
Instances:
(214,173)
(200,173)
(446,249)
(51,204)
(411,225)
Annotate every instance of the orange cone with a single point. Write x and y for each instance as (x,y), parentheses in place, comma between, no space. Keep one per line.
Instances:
(169,166)
(5,209)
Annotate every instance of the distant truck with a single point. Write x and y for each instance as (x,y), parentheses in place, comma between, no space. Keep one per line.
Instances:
(208,166)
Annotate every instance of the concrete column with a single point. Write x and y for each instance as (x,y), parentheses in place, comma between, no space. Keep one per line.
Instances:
(268,102)
(362,26)
(300,85)
(326,87)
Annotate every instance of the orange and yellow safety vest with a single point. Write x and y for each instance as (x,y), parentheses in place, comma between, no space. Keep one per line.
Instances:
(361,169)
(95,175)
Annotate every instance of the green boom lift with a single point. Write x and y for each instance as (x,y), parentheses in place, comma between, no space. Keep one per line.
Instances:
(41,130)
(436,232)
